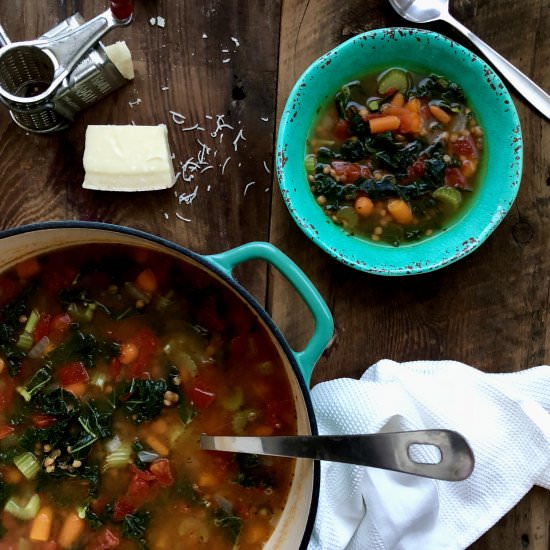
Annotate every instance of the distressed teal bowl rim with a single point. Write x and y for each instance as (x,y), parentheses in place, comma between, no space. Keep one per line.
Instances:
(421,50)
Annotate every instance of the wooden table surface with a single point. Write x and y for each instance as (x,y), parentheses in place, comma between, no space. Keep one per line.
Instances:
(238,60)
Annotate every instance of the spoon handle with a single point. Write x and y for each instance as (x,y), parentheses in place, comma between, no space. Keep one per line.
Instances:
(390,451)
(523,84)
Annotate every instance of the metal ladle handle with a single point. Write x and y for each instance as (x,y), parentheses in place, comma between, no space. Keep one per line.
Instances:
(390,451)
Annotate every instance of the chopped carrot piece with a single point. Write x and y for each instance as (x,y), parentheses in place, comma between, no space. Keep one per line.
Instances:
(147,281)
(262,431)
(409,122)
(28,268)
(71,530)
(42,524)
(159,426)
(206,479)
(363,206)
(413,105)
(384,123)
(78,389)
(12,475)
(440,114)
(157,445)
(400,211)
(398,100)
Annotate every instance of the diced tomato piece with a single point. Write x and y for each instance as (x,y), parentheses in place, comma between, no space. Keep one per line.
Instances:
(42,327)
(201,396)
(147,343)
(464,146)
(43,420)
(56,280)
(455,178)
(140,485)
(160,468)
(115,368)
(6,430)
(7,389)
(8,289)
(60,324)
(349,172)
(122,507)
(341,130)
(104,540)
(73,373)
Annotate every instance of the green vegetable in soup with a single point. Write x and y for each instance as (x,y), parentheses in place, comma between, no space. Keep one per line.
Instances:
(393,80)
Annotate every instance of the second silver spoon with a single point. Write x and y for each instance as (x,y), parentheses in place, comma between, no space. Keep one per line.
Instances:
(425,11)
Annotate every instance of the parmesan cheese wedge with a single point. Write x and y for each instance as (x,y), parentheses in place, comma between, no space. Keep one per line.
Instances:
(127,158)
(120,56)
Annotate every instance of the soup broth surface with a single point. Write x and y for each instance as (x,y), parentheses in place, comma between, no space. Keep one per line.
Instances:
(395,156)
(113,361)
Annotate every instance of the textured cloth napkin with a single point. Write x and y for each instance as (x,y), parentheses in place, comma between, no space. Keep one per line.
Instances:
(504,417)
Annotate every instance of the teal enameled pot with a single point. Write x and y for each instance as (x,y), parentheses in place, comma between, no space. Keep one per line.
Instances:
(294,527)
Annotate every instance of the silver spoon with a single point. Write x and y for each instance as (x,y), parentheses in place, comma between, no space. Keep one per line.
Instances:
(390,451)
(425,11)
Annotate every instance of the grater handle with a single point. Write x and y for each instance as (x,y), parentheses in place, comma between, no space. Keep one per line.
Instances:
(4,40)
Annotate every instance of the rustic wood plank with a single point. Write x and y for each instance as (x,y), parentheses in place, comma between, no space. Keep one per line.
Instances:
(490,309)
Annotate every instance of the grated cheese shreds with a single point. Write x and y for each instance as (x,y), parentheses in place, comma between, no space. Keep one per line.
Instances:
(225,164)
(248,186)
(188,198)
(177,118)
(226,60)
(264,118)
(134,103)
(180,217)
(240,136)
(220,125)
(266,168)
(235,41)
(161,22)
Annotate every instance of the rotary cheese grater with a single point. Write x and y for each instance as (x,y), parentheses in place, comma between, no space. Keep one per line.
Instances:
(45,82)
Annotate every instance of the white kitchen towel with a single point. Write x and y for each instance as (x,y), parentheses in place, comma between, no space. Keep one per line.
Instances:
(504,417)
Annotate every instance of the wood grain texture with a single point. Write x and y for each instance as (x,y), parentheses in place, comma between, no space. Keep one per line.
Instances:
(489,310)
(239,59)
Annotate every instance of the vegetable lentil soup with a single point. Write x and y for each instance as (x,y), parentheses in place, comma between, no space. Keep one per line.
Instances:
(395,156)
(113,360)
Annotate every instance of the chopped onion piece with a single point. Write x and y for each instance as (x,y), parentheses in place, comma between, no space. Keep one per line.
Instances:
(147,456)
(39,348)
(113,444)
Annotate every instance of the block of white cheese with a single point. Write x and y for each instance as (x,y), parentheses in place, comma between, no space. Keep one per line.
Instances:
(127,158)
(120,56)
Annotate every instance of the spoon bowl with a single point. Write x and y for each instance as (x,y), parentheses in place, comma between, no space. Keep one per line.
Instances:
(426,11)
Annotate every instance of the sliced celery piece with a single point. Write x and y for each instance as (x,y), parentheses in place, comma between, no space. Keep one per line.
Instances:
(449,196)
(26,512)
(27,464)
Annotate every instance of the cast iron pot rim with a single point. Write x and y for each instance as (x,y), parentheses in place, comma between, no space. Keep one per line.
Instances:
(210,265)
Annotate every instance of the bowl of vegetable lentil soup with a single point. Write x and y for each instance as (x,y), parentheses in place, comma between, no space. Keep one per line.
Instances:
(117,350)
(399,151)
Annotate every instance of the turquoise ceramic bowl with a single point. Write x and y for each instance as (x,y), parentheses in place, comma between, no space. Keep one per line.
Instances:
(425,52)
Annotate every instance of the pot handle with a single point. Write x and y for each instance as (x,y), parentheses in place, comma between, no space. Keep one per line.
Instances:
(324,325)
